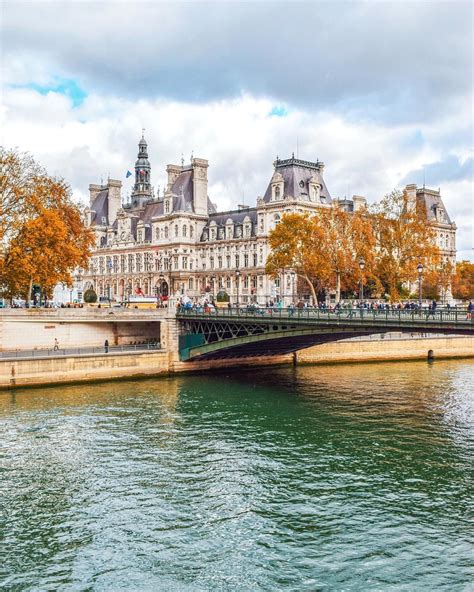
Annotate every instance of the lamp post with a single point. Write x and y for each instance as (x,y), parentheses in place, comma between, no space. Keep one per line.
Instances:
(213,286)
(237,281)
(419,268)
(362,267)
(293,277)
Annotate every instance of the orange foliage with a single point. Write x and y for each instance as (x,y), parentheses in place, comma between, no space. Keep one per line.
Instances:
(44,237)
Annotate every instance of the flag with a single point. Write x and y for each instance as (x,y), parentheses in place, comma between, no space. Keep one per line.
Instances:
(129,174)
(142,172)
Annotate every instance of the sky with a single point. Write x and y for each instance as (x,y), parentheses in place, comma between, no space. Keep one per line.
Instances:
(380,91)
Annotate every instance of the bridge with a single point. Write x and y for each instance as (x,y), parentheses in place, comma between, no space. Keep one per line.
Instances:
(237,332)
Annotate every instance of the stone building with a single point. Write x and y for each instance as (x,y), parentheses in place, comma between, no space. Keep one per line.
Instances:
(177,243)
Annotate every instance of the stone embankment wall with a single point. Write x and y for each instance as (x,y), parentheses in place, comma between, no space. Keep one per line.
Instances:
(27,335)
(387,349)
(84,368)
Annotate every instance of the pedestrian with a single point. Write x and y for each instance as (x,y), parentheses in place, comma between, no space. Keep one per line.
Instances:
(470,308)
(106,346)
(56,344)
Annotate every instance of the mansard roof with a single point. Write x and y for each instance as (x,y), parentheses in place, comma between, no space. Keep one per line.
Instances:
(297,175)
(100,208)
(433,202)
(237,216)
(182,191)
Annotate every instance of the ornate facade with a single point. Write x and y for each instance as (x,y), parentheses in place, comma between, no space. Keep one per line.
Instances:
(178,242)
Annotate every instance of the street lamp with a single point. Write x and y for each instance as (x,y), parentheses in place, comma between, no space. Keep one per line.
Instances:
(419,268)
(362,267)
(293,276)
(237,281)
(213,284)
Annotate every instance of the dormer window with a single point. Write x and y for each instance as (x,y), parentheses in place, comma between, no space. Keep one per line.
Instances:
(277,192)
(167,206)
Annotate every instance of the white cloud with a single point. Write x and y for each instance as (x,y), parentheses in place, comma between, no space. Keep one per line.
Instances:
(374,108)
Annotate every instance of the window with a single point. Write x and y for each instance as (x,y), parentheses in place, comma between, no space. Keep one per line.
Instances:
(190,284)
(213,234)
(176,230)
(211,262)
(246,260)
(185,263)
(157,233)
(246,281)
(116,263)
(167,206)
(247,230)
(255,259)
(228,261)
(237,261)
(228,283)
(139,262)
(123,263)
(276,219)
(219,262)
(185,230)
(166,231)
(130,263)
(191,231)
(277,192)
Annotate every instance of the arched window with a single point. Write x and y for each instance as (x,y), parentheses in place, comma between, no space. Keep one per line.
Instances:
(276,219)
(166,231)
(191,231)
(277,192)
(176,230)
(185,230)
(190,284)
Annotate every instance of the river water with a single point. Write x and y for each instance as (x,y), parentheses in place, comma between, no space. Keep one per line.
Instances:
(353,477)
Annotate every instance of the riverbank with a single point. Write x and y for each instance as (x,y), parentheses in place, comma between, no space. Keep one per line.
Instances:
(120,365)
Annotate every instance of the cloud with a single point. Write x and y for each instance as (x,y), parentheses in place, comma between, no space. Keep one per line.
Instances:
(377,60)
(365,87)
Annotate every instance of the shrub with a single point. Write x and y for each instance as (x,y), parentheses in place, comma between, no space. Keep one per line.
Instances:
(90,296)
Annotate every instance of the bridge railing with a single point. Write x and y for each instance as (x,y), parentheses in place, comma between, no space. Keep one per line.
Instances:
(440,315)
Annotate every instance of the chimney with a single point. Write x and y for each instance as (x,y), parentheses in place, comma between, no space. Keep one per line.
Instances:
(173,171)
(200,167)
(359,202)
(410,192)
(115,198)
(93,191)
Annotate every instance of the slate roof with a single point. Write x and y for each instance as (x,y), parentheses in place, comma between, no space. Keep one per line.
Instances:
(433,201)
(100,207)
(295,171)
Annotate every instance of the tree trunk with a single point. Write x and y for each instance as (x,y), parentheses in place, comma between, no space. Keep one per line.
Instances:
(28,295)
(338,286)
(313,291)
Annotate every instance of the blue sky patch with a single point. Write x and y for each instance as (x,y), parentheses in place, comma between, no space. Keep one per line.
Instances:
(278,111)
(63,86)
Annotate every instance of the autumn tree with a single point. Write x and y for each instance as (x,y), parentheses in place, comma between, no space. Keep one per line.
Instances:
(43,235)
(297,243)
(347,239)
(463,281)
(404,238)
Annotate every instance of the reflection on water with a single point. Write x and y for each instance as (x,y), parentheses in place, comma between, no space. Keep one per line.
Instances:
(354,477)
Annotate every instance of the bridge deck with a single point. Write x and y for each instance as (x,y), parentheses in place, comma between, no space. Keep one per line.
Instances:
(231,332)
